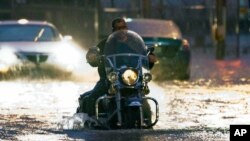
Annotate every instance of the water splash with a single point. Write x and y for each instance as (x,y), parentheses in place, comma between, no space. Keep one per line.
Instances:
(7,59)
(77,121)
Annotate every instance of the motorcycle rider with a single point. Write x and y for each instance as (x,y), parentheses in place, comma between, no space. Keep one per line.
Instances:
(87,100)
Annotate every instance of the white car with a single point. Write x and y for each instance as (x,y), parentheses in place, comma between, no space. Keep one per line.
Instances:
(37,42)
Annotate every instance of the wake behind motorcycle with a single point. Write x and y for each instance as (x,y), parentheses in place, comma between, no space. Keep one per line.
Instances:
(126,105)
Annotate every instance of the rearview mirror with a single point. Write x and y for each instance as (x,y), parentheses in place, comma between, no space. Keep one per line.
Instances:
(150,49)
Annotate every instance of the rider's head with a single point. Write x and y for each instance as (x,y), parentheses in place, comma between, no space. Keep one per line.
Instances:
(119,24)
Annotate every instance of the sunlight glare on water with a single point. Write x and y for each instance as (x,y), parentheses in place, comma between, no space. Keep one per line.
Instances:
(182,105)
(158,93)
(41,137)
(199,107)
(39,98)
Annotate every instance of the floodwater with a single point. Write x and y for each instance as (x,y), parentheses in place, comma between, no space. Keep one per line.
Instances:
(200,109)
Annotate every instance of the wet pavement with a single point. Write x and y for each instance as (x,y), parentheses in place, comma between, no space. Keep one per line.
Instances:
(200,109)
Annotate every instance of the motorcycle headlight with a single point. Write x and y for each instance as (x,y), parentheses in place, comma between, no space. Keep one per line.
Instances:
(129,77)
(112,77)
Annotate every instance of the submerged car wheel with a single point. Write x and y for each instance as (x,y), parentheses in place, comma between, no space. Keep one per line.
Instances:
(183,67)
(185,77)
(184,74)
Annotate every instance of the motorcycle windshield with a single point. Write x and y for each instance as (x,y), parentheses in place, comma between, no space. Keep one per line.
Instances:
(125,48)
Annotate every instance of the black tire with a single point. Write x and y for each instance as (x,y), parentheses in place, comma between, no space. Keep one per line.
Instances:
(78,110)
(185,74)
(133,118)
(83,105)
(147,113)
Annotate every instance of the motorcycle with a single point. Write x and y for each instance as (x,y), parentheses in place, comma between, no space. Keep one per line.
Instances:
(126,105)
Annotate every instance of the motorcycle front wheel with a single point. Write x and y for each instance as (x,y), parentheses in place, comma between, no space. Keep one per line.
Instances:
(132,118)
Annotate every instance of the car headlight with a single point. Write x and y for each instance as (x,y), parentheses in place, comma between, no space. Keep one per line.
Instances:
(112,77)
(3,68)
(129,77)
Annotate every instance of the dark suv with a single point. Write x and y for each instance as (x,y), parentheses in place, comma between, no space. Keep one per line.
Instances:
(172,50)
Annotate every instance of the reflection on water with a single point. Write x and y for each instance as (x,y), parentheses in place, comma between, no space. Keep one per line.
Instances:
(216,96)
(227,70)
(206,70)
(206,108)
(182,107)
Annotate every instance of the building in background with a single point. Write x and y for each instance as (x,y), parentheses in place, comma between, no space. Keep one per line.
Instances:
(88,20)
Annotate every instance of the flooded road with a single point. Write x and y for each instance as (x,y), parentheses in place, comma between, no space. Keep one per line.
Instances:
(199,109)
(37,109)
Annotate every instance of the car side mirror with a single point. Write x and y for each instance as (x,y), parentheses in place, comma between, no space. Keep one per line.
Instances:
(185,44)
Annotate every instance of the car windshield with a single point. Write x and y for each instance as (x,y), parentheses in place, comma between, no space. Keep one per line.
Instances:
(36,33)
(155,28)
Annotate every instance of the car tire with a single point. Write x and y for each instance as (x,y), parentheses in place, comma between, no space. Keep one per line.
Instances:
(185,75)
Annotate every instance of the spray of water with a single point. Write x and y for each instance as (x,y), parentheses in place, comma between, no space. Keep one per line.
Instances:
(75,122)
(7,59)
(68,63)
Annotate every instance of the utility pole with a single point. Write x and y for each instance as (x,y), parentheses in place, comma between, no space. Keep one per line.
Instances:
(146,8)
(162,9)
(112,3)
(237,30)
(96,20)
(13,9)
(221,29)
